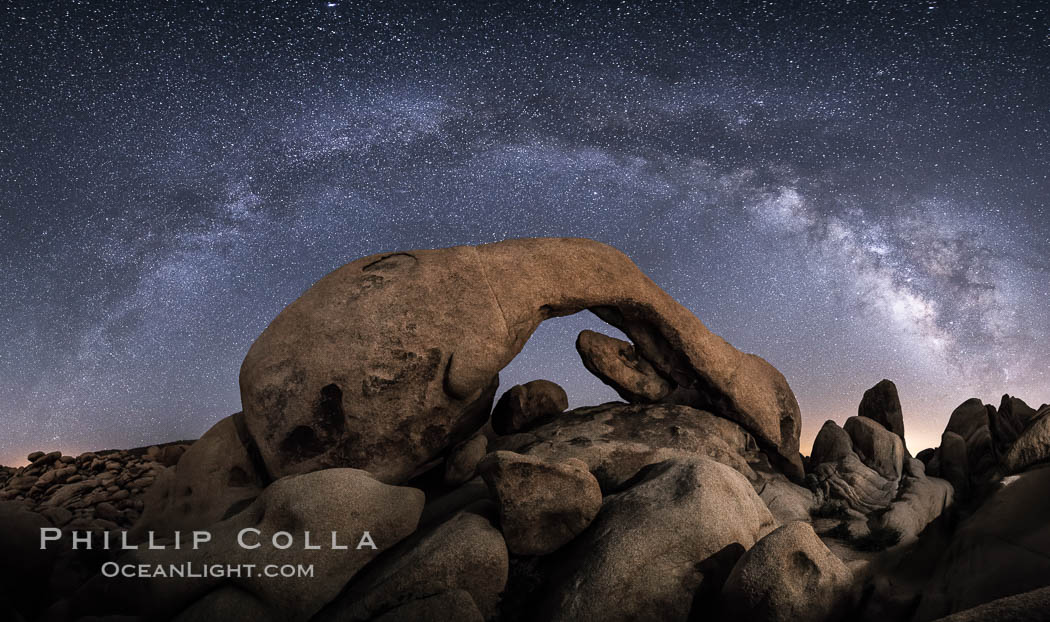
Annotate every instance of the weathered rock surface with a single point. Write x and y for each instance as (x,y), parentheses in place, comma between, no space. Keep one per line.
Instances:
(616,363)
(616,440)
(850,481)
(216,478)
(1002,550)
(542,505)
(464,553)
(360,372)
(642,557)
(1033,445)
(524,403)
(882,404)
(790,576)
(876,446)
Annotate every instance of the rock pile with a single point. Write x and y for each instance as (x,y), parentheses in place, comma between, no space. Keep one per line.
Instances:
(370,414)
(93,491)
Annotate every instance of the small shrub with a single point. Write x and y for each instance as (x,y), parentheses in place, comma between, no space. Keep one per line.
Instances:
(880,539)
(831,508)
(840,531)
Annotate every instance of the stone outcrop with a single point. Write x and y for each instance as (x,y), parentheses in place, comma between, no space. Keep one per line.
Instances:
(790,576)
(852,484)
(369,408)
(388,361)
(525,403)
(858,466)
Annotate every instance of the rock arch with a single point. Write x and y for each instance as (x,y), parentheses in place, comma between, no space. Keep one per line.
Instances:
(410,345)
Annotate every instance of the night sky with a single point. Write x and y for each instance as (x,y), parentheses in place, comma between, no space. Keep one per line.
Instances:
(851,190)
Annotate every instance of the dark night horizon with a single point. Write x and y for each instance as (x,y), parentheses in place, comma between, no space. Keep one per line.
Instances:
(851,191)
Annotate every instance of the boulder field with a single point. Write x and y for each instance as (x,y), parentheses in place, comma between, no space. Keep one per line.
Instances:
(372,448)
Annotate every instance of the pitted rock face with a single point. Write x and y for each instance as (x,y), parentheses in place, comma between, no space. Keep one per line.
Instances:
(389,360)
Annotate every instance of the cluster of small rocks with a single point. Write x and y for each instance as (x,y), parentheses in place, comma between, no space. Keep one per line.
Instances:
(93,491)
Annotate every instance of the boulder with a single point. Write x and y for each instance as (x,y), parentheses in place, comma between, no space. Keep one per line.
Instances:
(1001,550)
(389,360)
(616,363)
(616,440)
(785,500)
(524,403)
(788,576)
(464,553)
(970,420)
(876,446)
(542,505)
(645,556)
(831,444)
(881,404)
(1031,447)
(952,462)
(217,477)
(462,460)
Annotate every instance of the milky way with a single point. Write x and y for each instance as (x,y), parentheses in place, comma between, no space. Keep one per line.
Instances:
(851,191)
